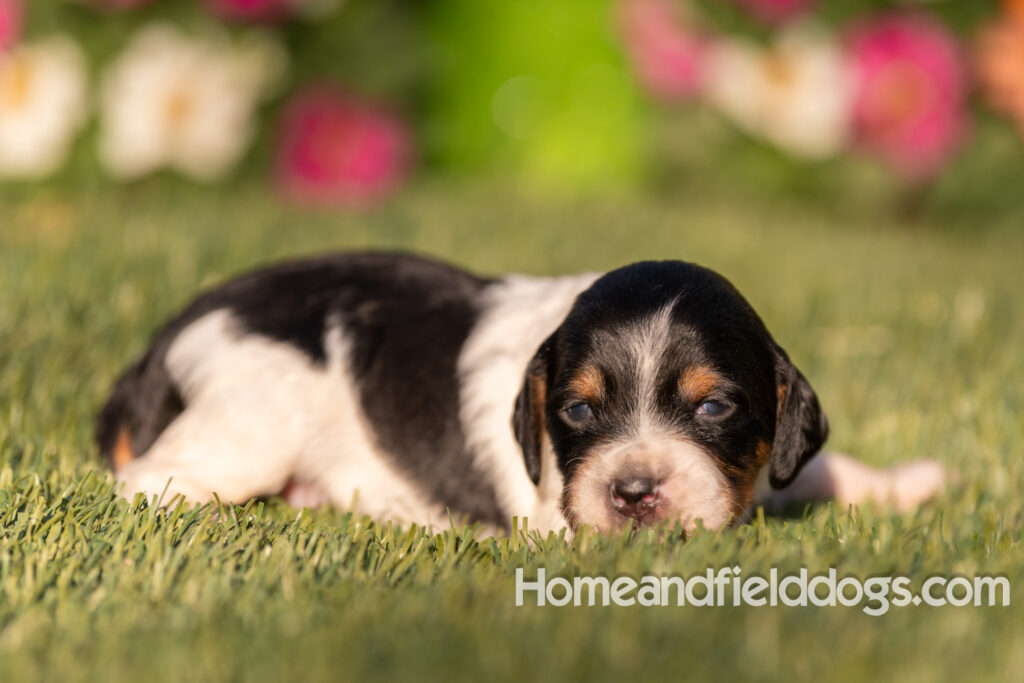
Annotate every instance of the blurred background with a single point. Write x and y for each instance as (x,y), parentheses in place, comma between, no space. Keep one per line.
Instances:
(855,167)
(912,107)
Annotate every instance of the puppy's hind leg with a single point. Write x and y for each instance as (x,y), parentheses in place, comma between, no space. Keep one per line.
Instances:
(208,451)
(850,482)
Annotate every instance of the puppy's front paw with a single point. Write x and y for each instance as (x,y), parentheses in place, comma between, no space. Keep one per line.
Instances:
(915,482)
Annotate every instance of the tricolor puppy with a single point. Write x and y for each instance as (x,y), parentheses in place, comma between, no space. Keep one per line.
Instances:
(406,389)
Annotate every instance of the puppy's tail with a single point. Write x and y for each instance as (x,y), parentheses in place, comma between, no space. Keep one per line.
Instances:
(143,403)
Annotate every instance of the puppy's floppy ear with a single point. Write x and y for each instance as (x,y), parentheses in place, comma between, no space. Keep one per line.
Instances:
(801,427)
(528,422)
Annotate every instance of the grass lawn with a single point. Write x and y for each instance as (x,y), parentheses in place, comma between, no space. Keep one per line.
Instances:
(910,333)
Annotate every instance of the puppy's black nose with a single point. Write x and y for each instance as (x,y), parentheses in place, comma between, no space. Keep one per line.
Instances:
(634,496)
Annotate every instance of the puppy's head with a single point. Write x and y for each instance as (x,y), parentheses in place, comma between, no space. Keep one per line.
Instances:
(662,396)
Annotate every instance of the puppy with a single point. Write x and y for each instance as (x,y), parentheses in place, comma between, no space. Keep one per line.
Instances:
(407,389)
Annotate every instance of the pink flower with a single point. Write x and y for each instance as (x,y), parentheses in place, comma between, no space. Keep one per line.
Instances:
(666,54)
(251,10)
(11,13)
(776,11)
(909,87)
(335,149)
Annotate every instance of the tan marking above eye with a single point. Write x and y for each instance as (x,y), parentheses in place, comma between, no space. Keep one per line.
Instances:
(698,382)
(587,383)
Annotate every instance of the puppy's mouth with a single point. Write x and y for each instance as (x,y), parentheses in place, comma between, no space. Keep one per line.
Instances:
(640,485)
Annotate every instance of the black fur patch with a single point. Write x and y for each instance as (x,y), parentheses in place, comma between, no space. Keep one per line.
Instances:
(407,319)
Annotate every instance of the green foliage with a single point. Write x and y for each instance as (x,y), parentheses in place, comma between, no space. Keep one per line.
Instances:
(908,333)
(535,87)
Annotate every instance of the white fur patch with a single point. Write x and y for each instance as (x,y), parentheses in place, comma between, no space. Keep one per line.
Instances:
(645,344)
(521,312)
(260,413)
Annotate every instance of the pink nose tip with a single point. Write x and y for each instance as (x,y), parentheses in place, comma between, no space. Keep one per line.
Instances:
(634,496)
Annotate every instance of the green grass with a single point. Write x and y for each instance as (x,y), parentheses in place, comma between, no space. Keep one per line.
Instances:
(911,335)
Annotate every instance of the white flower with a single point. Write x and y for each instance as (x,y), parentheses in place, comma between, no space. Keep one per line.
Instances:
(42,105)
(795,94)
(170,100)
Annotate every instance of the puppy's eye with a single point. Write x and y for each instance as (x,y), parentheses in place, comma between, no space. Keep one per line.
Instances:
(712,409)
(577,414)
